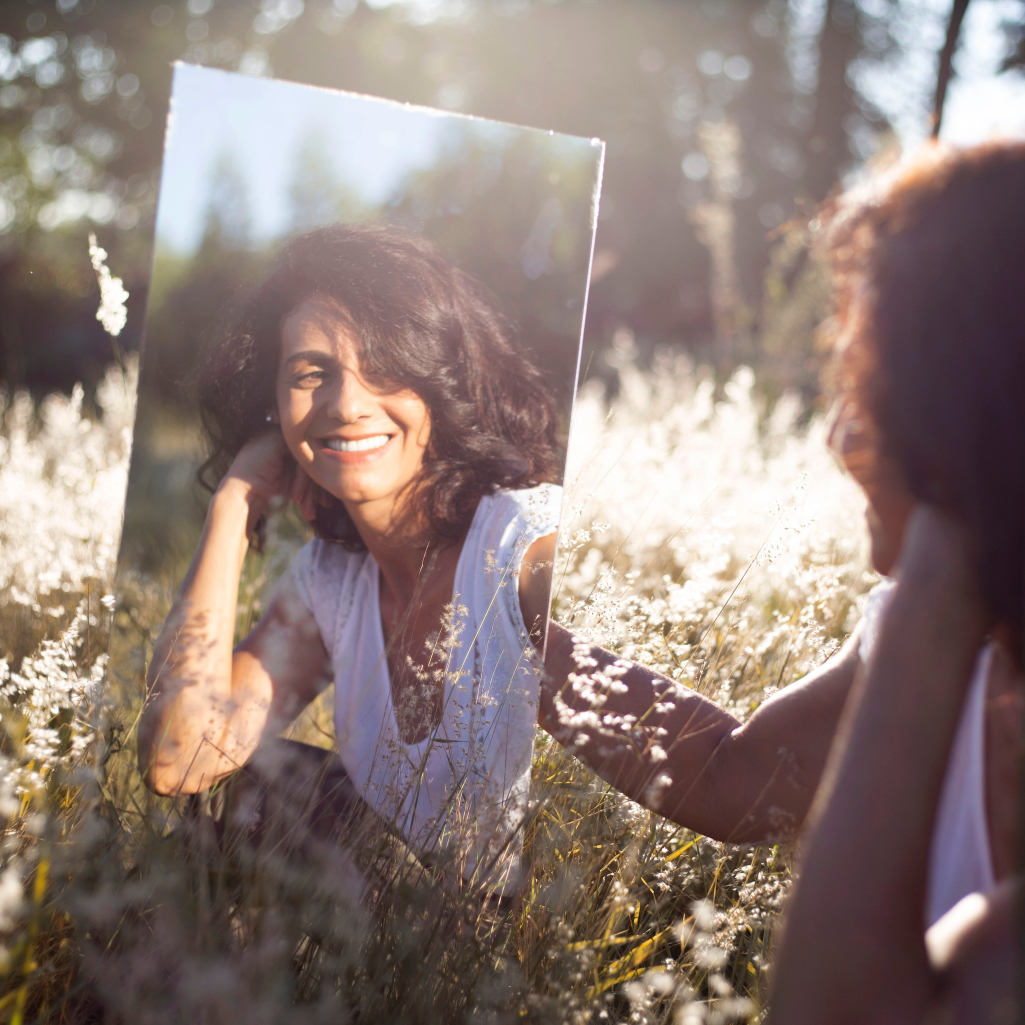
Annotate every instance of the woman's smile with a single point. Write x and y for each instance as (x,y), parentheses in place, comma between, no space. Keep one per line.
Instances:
(364,449)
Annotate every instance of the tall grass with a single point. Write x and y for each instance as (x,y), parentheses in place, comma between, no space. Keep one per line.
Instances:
(711,539)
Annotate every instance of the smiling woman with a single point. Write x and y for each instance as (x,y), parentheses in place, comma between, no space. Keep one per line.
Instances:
(375,310)
(372,382)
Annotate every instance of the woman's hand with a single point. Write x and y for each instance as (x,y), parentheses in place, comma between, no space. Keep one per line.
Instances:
(264,470)
(938,552)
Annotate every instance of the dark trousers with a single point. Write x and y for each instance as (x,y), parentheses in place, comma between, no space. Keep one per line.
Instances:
(293,807)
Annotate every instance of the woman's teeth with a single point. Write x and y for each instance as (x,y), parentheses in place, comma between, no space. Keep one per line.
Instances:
(360,445)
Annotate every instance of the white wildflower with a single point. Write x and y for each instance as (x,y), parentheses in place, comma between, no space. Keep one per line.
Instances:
(11,893)
(112,313)
(9,803)
(62,488)
(735,547)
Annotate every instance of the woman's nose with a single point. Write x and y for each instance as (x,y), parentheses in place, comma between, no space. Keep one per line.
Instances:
(837,419)
(352,400)
(846,438)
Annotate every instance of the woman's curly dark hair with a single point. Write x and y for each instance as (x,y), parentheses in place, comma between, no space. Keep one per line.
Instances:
(421,323)
(931,317)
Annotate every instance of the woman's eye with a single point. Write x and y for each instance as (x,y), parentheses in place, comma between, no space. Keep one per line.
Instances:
(310,378)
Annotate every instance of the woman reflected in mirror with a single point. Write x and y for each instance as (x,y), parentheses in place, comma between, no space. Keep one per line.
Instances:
(375,385)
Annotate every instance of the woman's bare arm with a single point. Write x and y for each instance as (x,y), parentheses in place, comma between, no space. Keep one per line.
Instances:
(207,705)
(680,754)
(535,587)
(853,948)
(733,782)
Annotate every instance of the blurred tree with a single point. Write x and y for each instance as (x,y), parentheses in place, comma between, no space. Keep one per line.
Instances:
(827,146)
(523,211)
(228,219)
(317,195)
(1015,31)
(191,303)
(83,94)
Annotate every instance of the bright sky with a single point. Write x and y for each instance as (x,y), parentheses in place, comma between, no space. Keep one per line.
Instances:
(373,143)
(980,103)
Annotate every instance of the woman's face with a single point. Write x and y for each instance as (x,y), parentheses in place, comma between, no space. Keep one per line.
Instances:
(359,443)
(889,501)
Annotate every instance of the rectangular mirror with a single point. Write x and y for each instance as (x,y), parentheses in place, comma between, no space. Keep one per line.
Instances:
(361,350)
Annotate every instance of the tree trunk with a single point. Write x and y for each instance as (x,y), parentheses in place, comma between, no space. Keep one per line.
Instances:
(827,150)
(946,66)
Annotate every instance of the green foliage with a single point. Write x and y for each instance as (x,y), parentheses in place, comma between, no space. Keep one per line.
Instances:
(84,93)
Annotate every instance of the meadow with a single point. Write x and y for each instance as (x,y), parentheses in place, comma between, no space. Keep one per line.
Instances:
(707,534)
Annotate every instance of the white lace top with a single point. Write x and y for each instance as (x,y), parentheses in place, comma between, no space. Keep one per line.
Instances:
(960,860)
(463,788)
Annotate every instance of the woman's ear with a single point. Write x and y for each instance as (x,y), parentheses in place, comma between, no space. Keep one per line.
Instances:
(423,436)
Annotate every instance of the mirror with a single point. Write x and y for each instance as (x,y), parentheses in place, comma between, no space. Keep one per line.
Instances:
(361,349)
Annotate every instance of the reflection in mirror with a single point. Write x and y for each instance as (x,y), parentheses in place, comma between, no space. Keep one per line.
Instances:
(361,351)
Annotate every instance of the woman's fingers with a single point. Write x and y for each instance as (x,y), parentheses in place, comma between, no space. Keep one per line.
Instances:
(936,543)
(938,556)
(264,466)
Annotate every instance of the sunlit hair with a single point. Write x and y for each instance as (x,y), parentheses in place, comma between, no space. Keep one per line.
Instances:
(929,270)
(421,323)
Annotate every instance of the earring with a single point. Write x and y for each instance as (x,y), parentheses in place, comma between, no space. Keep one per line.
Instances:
(269,418)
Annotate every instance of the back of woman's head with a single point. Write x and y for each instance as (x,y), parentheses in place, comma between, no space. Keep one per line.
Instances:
(420,323)
(931,274)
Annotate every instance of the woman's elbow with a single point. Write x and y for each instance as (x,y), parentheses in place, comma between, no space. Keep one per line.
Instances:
(160,763)
(157,774)
(169,780)
(734,797)
(161,783)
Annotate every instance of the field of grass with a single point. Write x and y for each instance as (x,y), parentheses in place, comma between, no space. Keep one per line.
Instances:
(704,535)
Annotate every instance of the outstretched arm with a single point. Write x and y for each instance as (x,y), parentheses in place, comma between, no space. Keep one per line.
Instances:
(675,751)
(680,754)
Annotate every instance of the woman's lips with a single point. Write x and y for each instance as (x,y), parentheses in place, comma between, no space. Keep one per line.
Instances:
(356,444)
(355,450)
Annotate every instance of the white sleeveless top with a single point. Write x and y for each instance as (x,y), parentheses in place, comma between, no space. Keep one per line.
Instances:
(463,789)
(960,860)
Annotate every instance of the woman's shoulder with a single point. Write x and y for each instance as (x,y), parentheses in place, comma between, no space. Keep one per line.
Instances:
(507,522)
(529,508)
